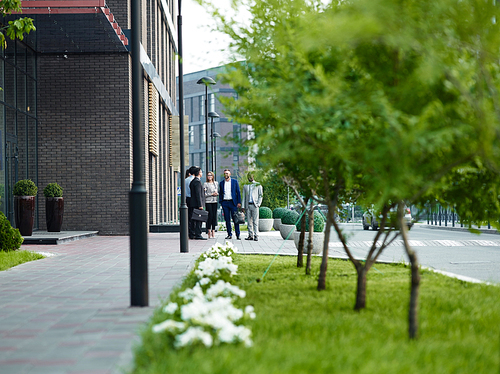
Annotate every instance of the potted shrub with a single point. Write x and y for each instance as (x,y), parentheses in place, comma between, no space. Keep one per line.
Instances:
(318,234)
(265,219)
(24,205)
(277,214)
(287,227)
(54,207)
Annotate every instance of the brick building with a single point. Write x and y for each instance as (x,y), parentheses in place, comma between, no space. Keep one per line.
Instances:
(230,146)
(66,111)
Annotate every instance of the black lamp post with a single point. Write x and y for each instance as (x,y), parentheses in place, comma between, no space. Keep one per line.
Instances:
(183,210)
(212,115)
(139,294)
(206,81)
(216,135)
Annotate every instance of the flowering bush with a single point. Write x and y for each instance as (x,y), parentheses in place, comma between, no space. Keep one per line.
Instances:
(205,314)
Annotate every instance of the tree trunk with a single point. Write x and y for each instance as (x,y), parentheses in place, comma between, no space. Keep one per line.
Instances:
(300,254)
(310,241)
(361,288)
(415,285)
(324,260)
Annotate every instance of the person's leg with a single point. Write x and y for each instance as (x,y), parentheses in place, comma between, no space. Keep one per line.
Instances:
(255,216)
(190,223)
(249,222)
(227,216)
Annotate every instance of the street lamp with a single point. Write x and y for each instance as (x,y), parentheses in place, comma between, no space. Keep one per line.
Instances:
(206,81)
(212,115)
(216,135)
(183,209)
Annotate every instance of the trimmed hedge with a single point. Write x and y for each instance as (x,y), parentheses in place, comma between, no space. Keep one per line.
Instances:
(265,212)
(290,217)
(278,212)
(319,222)
(53,190)
(25,187)
(10,238)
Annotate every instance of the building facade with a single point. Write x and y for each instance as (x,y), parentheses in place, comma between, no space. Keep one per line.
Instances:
(66,111)
(229,140)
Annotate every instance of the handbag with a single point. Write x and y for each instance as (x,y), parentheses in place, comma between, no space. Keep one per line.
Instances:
(238,218)
(199,215)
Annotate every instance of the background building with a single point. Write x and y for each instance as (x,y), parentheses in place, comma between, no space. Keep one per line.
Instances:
(66,111)
(229,152)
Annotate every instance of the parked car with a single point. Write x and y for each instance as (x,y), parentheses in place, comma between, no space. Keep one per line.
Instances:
(371,220)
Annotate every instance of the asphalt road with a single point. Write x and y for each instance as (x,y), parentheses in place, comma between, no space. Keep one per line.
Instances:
(461,253)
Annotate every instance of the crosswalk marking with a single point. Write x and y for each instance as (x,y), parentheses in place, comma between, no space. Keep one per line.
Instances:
(422,243)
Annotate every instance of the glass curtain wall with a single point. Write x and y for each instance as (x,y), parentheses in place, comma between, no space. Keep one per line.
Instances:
(18,122)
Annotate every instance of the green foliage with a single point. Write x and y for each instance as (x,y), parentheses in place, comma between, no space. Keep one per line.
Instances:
(459,334)
(265,212)
(319,222)
(53,190)
(275,192)
(16,28)
(279,212)
(25,187)
(14,258)
(290,217)
(10,238)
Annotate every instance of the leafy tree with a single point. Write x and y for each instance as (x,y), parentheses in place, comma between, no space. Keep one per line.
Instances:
(382,101)
(16,28)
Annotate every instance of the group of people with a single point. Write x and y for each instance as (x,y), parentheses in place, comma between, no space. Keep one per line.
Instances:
(207,196)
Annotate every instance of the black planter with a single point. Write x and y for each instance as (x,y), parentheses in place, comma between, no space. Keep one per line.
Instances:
(24,208)
(54,211)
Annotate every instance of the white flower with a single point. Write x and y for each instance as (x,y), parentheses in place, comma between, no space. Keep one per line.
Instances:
(211,267)
(204,281)
(190,293)
(249,311)
(191,335)
(170,308)
(222,288)
(169,325)
(233,334)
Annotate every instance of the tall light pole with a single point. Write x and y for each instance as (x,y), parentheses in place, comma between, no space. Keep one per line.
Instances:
(212,115)
(183,210)
(139,294)
(206,81)
(216,135)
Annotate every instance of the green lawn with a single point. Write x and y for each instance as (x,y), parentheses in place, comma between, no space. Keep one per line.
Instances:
(13,258)
(301,330)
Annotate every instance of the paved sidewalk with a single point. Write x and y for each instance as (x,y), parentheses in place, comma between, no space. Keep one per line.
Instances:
(70,313)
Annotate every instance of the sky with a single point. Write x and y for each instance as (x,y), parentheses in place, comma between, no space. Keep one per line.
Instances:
(201,47)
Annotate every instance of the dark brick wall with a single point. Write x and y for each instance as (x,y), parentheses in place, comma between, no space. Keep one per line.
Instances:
(84,138)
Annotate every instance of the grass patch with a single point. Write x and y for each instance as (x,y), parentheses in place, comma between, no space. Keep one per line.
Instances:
(301,330)
(13,258)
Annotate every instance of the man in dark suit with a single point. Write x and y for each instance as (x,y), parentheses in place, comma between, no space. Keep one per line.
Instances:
(230,200)
(197,201)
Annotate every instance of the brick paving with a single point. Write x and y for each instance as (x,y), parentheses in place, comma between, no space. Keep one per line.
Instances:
(70,313)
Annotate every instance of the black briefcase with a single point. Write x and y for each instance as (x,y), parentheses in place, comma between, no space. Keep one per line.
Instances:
(200,215)
(239,218)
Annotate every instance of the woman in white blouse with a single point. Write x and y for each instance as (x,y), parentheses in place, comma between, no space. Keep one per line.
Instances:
(211,198)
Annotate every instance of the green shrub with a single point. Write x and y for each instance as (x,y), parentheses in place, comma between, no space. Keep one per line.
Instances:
(278,212)
(10,238)
(265,212)
(53,190)
(319,222)
(290,217)
(25,187)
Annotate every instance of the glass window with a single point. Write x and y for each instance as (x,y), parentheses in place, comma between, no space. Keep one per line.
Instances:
(202,109)
(10,84)
(191,135)
(21,91)
(212,103)
(202,134)
(31,95)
